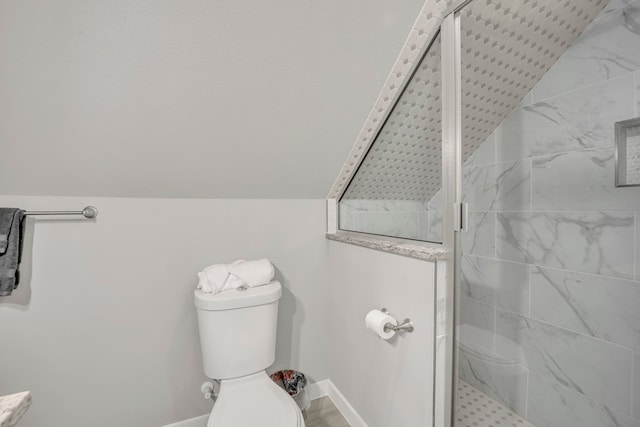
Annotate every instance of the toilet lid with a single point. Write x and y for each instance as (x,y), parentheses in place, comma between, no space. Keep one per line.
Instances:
(254,401)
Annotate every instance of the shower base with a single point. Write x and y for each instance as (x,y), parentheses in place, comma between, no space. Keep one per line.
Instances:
(476,409)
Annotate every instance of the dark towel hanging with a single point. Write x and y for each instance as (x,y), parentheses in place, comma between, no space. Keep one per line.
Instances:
(11,238)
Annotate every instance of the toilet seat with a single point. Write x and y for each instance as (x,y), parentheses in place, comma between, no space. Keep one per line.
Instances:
(254,401)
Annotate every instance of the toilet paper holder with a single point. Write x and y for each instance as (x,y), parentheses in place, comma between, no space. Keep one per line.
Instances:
(406,324)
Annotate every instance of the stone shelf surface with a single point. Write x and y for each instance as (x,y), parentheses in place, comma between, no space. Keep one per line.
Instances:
(13,407)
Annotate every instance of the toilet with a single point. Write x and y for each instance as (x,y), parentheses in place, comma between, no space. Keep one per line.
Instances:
(238,339)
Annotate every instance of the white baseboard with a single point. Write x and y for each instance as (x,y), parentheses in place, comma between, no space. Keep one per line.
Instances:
(315,391)
(192,422)
(353,418)
(318,389)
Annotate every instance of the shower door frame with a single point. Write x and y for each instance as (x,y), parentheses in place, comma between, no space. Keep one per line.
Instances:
(454,216)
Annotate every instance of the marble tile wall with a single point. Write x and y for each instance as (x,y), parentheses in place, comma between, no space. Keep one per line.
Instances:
(505,383)
(637,248)
(553,252)
(396,218)
(385,217)
(551,404)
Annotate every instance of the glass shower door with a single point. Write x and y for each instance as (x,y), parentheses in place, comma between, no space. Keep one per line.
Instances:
(491,377)
(517,362)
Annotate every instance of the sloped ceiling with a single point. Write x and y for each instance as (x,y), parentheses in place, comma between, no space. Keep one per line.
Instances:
(507,46)
(189,99)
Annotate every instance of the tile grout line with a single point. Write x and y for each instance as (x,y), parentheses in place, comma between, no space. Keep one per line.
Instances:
(633,368)
(531,185)
(495,233)
(526,394)
(539,156)
(581,88)
(636,90)
(552,268)
(529,286)
(495,328)
(548,323)
(552,211)
(566,329)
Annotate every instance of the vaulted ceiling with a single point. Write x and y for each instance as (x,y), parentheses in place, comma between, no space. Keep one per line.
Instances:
(506,47)
(189,99)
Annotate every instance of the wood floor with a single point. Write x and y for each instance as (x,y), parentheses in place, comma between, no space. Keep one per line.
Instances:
(323,413)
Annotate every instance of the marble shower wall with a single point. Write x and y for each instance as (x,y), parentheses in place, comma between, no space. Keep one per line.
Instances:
(396,218)
(550,307)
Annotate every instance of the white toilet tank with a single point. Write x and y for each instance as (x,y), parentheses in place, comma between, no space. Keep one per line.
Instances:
(238,330)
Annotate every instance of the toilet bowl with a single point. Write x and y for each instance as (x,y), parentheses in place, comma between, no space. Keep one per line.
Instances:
(254,400)
(238,339)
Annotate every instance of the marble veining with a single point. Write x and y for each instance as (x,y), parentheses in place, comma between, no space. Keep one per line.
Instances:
(396,218)
(552,405)
(591,242)
(637,245)
(589,366)
(637,79)
(573,121)
(589,186)
(526,100)
(499,187)
(513,188)
(485,154)
(478,314)
(505,383)
(593,57)
(364,205)
(499,283)
(479,187)
(636,385)
(481,237)
(427,253)
(599,306)
(561,271)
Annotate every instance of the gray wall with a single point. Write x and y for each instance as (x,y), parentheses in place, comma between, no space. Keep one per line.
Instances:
(221,99)
(103,328)
(389,383)
(551,263)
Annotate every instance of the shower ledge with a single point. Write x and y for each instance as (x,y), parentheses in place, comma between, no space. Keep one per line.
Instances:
(13,407)
(426,252)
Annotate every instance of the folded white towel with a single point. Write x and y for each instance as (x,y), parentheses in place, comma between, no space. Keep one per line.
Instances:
(214,277)
(221,277)
(250,273)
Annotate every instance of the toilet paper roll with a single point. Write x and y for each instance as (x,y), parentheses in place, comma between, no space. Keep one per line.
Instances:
(376,321)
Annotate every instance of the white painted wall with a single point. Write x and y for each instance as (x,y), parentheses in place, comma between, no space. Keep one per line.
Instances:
(189,99)
(388,383)
(103,328)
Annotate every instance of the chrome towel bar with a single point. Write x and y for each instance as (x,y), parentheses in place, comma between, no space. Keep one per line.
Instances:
(88,212)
